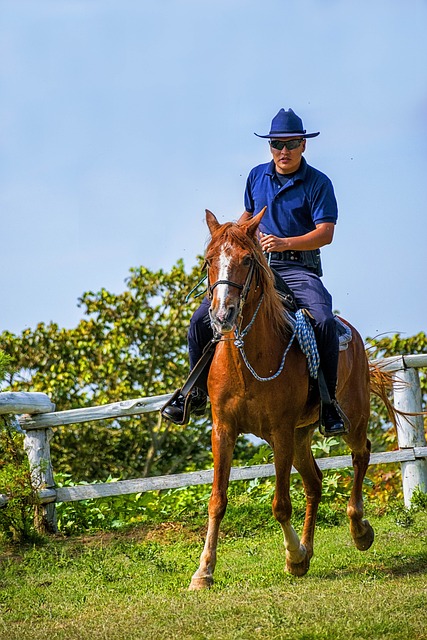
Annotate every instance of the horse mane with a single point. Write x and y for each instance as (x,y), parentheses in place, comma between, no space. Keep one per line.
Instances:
(234,234)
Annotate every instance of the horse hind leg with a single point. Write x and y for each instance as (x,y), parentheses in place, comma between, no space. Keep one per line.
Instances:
(354,397)
(360,528)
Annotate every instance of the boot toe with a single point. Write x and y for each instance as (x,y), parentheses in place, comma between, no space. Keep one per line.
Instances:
(178,410)
(173,412)
(333,422)
(335,429)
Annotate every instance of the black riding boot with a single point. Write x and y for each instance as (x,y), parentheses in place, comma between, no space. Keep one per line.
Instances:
(179,409)
(200,334)
(333,419)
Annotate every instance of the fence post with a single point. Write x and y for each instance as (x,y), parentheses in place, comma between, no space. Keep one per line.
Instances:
(410,430)
(37,446)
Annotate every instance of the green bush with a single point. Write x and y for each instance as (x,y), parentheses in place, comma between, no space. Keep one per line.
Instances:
(4,365)
(249,506)
(17,516)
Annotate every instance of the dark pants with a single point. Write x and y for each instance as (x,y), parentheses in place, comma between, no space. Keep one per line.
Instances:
(309,294)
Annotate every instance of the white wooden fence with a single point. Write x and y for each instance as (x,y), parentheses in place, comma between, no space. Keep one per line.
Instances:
(36,415)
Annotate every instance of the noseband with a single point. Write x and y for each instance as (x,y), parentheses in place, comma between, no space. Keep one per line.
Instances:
(244,288)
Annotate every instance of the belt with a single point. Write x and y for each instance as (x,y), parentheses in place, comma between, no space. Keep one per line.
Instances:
(295,256)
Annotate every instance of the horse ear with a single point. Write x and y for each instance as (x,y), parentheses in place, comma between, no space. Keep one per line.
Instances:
(253,224)
(211,221)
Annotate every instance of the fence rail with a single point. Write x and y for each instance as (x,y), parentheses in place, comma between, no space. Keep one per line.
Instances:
(176,481)
(34,413)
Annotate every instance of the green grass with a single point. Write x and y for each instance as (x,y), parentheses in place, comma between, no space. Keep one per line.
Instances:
(133,585)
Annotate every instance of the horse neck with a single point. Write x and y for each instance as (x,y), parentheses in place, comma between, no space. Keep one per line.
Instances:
(263,331)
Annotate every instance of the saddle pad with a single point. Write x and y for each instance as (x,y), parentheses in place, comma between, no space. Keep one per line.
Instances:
(344,333)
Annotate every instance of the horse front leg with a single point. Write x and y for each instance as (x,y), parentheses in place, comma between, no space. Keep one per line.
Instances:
(297,558)
(222,449)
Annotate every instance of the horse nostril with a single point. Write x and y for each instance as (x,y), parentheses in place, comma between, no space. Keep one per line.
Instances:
(224,316)
(230,314)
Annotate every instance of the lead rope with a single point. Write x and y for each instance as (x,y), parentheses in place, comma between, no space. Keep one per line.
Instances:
(240,335)
(202,293)
(305,336)
(307,341)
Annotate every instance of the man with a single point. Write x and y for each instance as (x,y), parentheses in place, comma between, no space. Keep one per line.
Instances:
(300,219)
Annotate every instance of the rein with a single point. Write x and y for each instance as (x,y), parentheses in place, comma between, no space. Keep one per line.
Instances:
(240,335)
(239,343)
(302,329)
(304,333)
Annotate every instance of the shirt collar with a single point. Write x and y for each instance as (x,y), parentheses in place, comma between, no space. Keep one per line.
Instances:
(298,175)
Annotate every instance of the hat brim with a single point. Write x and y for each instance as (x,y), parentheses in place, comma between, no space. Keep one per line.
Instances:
(280,136)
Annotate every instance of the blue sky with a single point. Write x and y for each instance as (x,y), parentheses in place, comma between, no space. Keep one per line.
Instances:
(122,121)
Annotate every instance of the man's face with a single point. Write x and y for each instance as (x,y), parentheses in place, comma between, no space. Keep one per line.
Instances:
(287,160)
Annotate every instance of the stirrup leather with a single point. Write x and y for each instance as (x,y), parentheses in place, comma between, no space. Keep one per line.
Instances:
(191,381)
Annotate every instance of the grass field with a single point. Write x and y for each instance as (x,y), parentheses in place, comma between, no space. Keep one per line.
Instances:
(133,585)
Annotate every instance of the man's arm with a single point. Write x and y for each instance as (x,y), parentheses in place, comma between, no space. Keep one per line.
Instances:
(320,236)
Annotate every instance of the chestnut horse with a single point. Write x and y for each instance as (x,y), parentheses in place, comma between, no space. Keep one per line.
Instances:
(284,409)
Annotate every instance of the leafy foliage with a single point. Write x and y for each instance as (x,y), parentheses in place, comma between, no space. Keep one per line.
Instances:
(4,364)
(133,344)
(129,345)
(387,480)
(17,517)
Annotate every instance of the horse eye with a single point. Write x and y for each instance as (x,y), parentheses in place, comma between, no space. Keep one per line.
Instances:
(246,262)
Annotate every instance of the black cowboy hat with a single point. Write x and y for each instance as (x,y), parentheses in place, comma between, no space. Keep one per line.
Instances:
(286,124)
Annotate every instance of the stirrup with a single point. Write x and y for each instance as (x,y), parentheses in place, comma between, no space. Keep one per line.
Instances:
(187,406)
(342,415)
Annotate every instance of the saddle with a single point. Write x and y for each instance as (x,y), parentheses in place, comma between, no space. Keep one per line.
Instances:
(343,331)
(289,303)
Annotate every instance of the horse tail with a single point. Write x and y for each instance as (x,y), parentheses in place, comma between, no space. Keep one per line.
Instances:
(381,382)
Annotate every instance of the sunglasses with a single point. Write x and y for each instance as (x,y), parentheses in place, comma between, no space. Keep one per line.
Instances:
(289,144)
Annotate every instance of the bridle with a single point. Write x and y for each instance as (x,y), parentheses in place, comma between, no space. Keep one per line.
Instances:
(301,326)
(244,288)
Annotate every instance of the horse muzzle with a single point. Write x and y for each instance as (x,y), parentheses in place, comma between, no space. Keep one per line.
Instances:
(224,319)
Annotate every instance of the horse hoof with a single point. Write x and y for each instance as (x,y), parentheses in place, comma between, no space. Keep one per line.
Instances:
(197,584)
(364,541)
(298,569)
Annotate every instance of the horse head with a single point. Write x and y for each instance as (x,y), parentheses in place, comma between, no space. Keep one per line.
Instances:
(233,257)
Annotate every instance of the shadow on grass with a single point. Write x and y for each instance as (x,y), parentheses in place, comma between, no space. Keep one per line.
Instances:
(397,568)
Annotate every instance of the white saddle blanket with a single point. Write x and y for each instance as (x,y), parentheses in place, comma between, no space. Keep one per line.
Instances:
(344,334)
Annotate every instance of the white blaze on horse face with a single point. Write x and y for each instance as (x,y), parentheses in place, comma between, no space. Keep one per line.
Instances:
(223,274)
(224,305)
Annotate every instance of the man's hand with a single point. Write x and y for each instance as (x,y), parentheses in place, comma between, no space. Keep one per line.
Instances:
(319,237)
(271,243)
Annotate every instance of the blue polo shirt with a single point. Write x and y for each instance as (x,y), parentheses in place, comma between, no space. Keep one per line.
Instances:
(294,209)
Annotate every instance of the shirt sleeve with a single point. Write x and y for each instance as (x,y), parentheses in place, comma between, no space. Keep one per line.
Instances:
(324,204)
(248,199)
